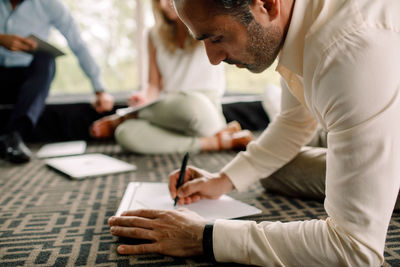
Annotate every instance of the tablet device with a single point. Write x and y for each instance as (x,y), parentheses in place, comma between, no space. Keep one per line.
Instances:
(43,46)
(62,149)
(124,111)
(89,165)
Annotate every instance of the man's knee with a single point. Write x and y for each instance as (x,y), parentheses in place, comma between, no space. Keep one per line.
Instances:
(38,77)
(304,176)
(43,65)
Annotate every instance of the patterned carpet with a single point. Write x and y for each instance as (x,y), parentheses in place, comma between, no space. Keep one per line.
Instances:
(47,219)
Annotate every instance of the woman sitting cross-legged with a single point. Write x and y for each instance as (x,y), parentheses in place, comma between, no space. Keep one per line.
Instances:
(189,117)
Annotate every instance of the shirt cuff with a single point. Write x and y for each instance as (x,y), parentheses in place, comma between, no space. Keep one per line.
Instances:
(208,249)
(97,85)
(230,241)
(241,173)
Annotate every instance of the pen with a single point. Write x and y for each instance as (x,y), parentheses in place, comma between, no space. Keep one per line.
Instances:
(181,174)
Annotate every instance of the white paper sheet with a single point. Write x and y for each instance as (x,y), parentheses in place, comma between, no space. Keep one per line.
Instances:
(141,195)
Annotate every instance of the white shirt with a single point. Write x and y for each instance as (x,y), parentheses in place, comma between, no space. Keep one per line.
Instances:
(184,71)
(341,64)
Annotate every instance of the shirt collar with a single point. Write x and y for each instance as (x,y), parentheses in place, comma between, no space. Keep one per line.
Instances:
(291,56)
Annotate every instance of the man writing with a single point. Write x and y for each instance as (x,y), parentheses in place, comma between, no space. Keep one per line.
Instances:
(25,79)
(339,60)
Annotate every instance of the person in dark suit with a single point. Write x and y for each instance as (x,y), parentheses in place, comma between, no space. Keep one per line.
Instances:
(25,79)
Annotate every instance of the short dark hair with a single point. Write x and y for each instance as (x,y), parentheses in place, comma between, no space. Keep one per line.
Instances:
(236,8)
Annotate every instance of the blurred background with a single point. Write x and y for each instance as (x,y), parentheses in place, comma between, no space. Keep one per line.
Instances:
(115,31)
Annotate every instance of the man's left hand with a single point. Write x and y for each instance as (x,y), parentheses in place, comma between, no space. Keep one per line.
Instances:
(175,233)
(104,102)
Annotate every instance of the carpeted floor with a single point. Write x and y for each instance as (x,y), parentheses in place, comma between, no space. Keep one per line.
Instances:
(47,219)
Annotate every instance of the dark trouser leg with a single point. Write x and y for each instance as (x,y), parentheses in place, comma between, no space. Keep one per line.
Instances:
(32,93)
(27,89)
(11,80)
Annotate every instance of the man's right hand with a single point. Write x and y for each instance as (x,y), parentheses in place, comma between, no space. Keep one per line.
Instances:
(17,43)
(199,184)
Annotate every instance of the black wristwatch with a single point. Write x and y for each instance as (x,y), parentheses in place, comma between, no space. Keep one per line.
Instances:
(208,242)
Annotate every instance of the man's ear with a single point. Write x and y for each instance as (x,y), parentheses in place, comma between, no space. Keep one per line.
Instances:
(263,9)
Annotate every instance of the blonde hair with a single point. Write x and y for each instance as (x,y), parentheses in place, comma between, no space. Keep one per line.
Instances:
(166,30)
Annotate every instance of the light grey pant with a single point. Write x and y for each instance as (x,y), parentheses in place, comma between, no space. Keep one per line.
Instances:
(304,176)
(174,124)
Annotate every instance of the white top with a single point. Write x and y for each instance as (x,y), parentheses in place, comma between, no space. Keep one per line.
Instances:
(341,62)
(183,71)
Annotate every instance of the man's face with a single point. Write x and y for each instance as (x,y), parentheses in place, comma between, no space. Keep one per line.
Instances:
(253,46)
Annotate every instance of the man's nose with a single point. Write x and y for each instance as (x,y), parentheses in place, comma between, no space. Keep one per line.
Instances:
(214,53)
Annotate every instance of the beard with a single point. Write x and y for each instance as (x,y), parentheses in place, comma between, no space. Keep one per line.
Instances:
(263,46)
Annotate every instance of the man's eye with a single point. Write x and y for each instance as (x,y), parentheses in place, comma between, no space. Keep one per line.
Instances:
(216,40)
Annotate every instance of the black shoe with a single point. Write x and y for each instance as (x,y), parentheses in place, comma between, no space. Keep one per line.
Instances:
(13,149)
